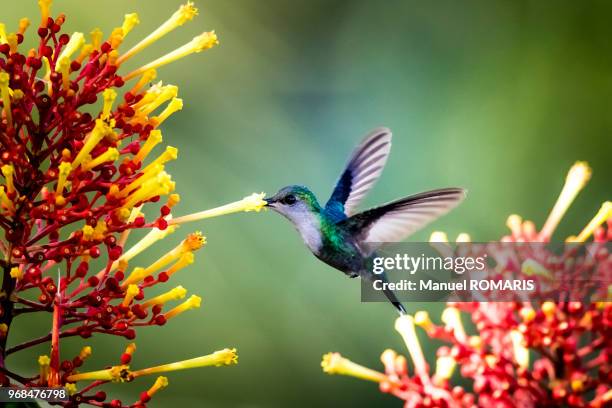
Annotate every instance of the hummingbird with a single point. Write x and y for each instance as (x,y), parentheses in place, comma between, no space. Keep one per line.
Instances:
(347,240)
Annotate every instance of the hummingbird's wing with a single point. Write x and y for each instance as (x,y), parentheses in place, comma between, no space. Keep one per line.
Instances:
(394,221)
(361,172)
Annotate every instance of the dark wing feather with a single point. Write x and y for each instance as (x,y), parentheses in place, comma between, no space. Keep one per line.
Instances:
(361,172)
(394,221)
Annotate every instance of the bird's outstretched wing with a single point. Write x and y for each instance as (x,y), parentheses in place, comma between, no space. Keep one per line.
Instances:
(394,221)
(361,172)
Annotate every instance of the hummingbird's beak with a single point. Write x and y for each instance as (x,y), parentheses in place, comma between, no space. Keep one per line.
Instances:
(269,202)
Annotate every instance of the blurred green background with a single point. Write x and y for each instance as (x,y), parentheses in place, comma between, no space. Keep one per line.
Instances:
(499,97)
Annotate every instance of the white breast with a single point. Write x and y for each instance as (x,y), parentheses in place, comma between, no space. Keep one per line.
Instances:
(309,227)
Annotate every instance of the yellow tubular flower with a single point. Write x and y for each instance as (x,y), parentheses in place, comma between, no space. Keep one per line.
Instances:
(173,199)
(173,294)
(147,175)
(475,342)
(8,171)
(3,38)
(136,276)
(160,383)
(88,232)
(109,96)
(132,290)
(162,184)
(24,23)
(63,61)
(422,320)
(76,41)
(576,179)
(71,388)
(155,137)
(521,353)
(111,154)
(193,242)
(150,94)
(100,130)
(463,238)
(85,52)
(5,201)
(604,214)
(96,38)
(130,349)
(445,366)
(334,363)
(254,202)
(85,353)
(164,94)
(527,313)
(185,13)
(112,57)
(171,153)
(129,22)
(45,7)
(100,230)
(218,358)
(16,272)
(184,260)
(175,105)
(193,302)
(116,38)
(531,267)
(452,318)
(388,358)
(120,373)
(200,43)
(438,236)
(146,77)
(152,237)
(64,172)
(43,364)
(404,325)
(549,309)
(12,41)
(5,95)
(47,77)
(125,234)
(514,224)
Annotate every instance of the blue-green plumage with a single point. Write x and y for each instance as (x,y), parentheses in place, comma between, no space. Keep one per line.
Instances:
(347,240)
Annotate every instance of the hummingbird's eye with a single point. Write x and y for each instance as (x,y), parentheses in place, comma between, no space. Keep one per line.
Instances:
(289,200)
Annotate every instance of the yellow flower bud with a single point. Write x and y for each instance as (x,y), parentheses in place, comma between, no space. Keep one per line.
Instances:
(8,171)
(200,43)
(132,290)
(193,302)
(334,363)
(174,294)
(185,13)
(129,22)
(576,179)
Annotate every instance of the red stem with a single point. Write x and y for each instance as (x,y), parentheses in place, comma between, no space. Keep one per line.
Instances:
(54,366)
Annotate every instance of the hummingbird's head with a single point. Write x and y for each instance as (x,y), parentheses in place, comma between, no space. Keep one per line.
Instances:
(294,202)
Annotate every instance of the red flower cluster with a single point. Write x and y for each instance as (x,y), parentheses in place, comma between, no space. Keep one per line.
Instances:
(568,342)
(74,186)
